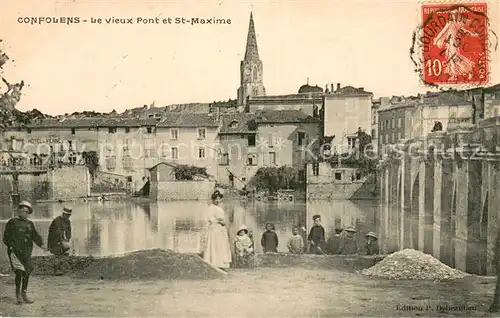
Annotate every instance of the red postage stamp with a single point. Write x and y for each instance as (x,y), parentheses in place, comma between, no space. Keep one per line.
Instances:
(455,43)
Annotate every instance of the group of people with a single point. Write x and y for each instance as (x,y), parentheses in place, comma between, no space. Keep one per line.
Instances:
(20,235)
(219,252)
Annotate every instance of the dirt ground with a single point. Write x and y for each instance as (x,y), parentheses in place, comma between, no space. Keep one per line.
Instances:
(261,292)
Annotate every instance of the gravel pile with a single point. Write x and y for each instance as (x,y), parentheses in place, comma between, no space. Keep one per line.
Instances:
(410,264)
(150,264)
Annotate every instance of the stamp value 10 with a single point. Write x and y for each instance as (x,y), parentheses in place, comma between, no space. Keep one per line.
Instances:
(454,42)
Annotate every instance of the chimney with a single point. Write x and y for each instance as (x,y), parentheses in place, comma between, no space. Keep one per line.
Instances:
(331,88)
(338,87)
(326,89)
(362,88)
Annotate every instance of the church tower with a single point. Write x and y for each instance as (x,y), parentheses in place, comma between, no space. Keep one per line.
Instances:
(251,69)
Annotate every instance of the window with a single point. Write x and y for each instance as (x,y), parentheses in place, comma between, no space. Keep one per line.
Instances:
(174,133)
(251,140)
(127,130)
(201,153)
(351,142)
(252,160)
(125,144)
(164,150)
(29,130)
(149,130)
(271,141)
(233,124)
(111,130)
(175,153)
(373,134)
(224,159)
(358,175)
(301,138)
(272,158)
(201,133)
(73,131)
(399,122)
(315,169)
(338,176)
(399,136)
(70,145)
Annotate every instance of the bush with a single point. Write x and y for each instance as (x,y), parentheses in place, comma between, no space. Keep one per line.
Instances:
(273,179)
(189,173)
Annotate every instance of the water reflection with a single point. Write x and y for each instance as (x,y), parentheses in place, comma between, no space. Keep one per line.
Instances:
(111,228)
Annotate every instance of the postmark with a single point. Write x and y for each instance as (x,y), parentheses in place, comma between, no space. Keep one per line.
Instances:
(453,44)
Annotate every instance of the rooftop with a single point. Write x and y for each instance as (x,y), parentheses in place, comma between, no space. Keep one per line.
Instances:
(247,122)
(284,117)
(301,96)
(350,91)
(174,119)
(238,123)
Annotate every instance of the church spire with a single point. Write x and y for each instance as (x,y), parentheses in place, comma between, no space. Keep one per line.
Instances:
(251,51)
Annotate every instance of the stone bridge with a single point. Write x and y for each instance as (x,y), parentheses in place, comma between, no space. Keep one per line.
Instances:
(441,195)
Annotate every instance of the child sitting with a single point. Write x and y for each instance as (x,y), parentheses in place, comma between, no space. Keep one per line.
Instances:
(296,242)
(243,247)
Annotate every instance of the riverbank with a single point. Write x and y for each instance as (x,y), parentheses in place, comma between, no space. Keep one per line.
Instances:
(279,292)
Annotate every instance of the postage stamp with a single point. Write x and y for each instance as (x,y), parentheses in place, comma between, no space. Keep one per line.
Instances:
(454,44)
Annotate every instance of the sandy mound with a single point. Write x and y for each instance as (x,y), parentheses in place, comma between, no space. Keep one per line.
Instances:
(150,264)
(410,264)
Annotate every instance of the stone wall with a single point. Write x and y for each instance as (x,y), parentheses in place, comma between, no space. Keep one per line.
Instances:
(31,187)
(182,190)
(69,182)
(332,191)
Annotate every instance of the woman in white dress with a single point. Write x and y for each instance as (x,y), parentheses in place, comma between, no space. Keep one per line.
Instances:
(217,250)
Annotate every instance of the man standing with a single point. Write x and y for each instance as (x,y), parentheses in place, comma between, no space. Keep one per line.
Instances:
(19,236)
(59,236)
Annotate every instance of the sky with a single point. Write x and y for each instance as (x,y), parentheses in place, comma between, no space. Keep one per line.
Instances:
(102,67)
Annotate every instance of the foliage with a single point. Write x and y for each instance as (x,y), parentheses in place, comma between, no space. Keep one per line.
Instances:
(189,173)
(91,161)
(437,126)
(228,103)
(362,156)
(275,178)
(9,115)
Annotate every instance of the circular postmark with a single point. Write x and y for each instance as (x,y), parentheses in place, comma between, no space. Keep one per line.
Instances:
(453,44)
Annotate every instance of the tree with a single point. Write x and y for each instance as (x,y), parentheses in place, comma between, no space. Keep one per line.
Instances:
(10,96)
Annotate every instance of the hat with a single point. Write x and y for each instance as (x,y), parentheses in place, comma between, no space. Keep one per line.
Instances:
(350,229)
(27,205)
(242,228)
(372,235)
(338,230)
(67,210)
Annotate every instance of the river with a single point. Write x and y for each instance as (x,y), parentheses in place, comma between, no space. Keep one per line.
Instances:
(113,228)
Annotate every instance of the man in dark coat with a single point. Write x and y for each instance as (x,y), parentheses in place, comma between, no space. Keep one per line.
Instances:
(19,236)
(348,242)
(333,242)
(316,237)
(58,241)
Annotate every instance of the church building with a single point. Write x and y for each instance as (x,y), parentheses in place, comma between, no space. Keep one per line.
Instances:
(251,69)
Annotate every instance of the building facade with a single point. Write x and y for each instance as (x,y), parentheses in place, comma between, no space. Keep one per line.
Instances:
(127,147)
(445,109)
(345,111)
(250,141)
(394,123)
